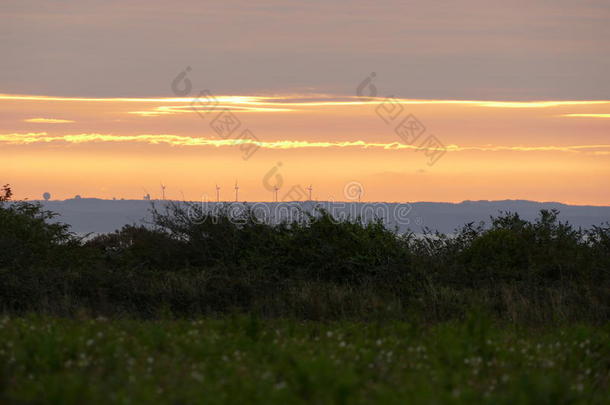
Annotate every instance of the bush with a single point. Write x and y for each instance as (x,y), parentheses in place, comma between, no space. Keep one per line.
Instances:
(190,262)
(27,238)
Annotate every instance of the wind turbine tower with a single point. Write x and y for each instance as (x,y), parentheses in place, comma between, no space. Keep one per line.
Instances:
(163,191)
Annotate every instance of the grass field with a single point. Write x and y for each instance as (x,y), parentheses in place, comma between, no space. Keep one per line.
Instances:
(244,360)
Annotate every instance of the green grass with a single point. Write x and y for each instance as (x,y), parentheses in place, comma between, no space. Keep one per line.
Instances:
(245,360)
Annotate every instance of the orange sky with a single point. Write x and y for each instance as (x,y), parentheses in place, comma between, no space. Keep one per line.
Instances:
(123,148)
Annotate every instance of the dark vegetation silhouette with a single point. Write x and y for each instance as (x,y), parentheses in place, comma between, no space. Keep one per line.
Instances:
(541,271)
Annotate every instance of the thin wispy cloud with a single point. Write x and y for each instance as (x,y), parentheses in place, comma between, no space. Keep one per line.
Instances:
(48,121)
(591,115)
(189,141)
(291,103)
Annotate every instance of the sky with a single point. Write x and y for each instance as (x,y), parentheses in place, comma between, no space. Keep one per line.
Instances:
(403,100)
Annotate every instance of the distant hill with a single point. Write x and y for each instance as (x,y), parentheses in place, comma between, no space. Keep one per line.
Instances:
(100,216)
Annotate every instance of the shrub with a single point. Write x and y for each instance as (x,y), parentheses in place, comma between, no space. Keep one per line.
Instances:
(28,238)
(191,262)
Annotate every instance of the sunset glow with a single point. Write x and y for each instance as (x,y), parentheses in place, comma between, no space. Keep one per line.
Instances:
(164,138)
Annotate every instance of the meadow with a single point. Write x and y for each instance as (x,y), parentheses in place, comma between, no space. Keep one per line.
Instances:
(247,360)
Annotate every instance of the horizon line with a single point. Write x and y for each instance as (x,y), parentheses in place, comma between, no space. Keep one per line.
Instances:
(315,201)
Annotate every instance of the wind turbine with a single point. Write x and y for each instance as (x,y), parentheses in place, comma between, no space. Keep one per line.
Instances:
(163,191)
(217,193)
(309,189)
(236,191)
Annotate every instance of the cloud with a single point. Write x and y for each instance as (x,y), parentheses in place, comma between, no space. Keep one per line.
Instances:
(448,49)
(189,141)
(587,115)
(155,106)
(48,121)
